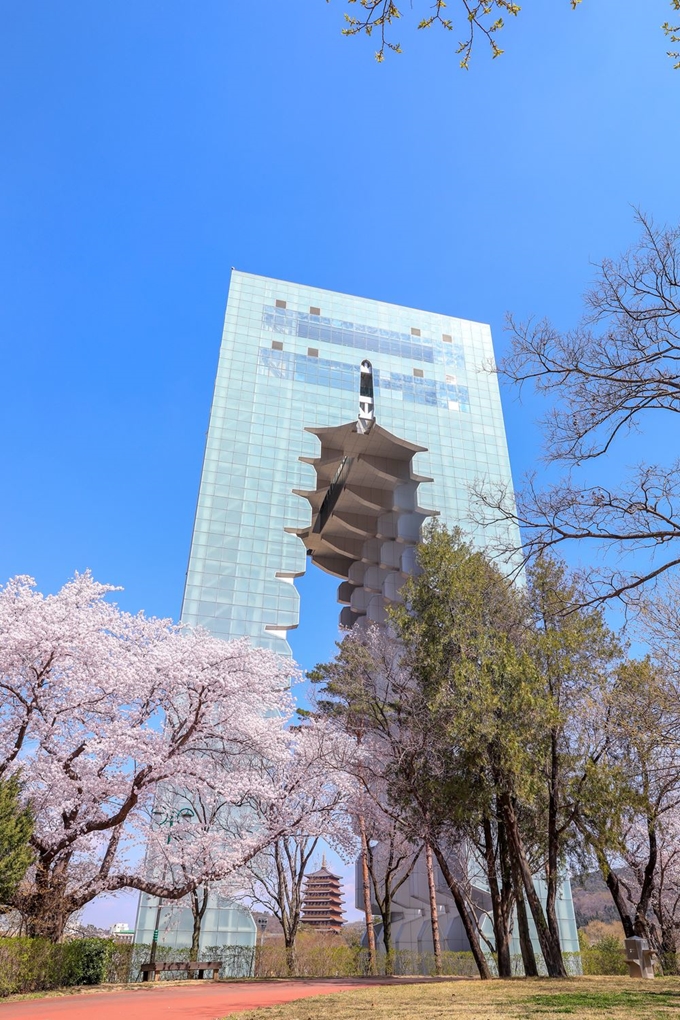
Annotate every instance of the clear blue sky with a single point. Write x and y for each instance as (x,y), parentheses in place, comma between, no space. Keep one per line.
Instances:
(150,146)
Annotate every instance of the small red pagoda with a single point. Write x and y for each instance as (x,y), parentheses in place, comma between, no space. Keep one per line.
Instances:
(322,904)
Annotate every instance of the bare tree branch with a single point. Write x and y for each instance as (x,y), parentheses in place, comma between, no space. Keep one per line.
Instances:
(603,378)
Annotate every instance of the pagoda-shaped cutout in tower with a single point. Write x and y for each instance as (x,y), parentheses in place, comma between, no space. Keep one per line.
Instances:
(322,905)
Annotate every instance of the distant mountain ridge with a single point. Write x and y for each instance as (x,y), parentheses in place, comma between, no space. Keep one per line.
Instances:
(592,899)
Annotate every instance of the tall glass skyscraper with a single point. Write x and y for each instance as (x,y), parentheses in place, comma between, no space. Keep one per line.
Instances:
(376,416)
(290,360)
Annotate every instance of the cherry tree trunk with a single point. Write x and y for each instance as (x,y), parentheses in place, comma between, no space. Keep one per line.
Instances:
(387,940)
(45,909)
(47,923)
(199,903)
(291,957)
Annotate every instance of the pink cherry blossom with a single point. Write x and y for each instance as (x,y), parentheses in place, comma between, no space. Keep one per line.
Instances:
(110,716)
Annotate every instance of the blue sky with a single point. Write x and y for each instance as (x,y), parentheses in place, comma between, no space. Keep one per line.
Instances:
(150,146)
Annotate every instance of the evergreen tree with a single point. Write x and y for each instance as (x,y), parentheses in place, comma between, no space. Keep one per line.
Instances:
(16,826)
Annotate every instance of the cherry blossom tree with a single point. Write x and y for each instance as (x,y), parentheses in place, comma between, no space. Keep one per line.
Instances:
(105,712)
(303,801)
(315,787)
(666,895)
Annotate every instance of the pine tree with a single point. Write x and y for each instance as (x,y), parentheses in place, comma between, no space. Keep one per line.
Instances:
(16,826)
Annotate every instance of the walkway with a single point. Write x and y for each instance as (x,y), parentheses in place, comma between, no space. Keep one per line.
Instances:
(190,1001)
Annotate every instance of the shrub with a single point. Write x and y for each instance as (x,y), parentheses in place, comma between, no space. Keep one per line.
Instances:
(36,965)
(606,956)
(90,959)
(320,955)
(669,963)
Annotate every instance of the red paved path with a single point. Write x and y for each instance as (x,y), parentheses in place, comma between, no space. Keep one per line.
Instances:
(188,1002)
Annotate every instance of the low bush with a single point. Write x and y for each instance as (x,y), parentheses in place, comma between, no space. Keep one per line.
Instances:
(669,963)
(330,956)
(605,956)
(89,961)
(36,965)
(33,965)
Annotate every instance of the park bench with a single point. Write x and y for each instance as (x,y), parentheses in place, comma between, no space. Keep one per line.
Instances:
(191,966)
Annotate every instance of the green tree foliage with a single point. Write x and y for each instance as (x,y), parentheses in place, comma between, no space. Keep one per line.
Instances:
(464,627)
(506,719)
(500,695)
(16,826)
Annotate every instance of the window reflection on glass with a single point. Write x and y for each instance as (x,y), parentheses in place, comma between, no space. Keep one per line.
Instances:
(336,374)
(349,334)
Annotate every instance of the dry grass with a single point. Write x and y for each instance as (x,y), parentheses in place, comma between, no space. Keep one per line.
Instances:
(585,998)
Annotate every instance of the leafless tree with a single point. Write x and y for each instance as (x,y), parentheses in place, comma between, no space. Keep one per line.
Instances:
(630,815)
(603,380)
(390,859)
(274,881)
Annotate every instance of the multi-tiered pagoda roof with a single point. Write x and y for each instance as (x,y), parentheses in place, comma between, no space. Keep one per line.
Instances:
(322,904)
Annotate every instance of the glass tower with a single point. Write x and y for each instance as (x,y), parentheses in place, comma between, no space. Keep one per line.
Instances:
(289,361)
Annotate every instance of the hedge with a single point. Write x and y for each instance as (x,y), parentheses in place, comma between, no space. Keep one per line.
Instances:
(36,965)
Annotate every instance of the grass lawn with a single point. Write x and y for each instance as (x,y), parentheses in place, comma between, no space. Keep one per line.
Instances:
(615,998)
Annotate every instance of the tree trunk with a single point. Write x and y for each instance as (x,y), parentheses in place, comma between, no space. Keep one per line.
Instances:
(553,842)
(641,923)
(469,925)
(525,944)
(550,947)
(633,924)
(434,915)
(45,909)
(665,906)
(195,939)
(614,885)
(368,909)
(387,940)
(199,903)
(46,922)
(500,922)
(507,887)
(667,944)
(291,957)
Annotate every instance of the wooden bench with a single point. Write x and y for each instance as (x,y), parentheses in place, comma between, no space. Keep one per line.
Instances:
(190,966)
